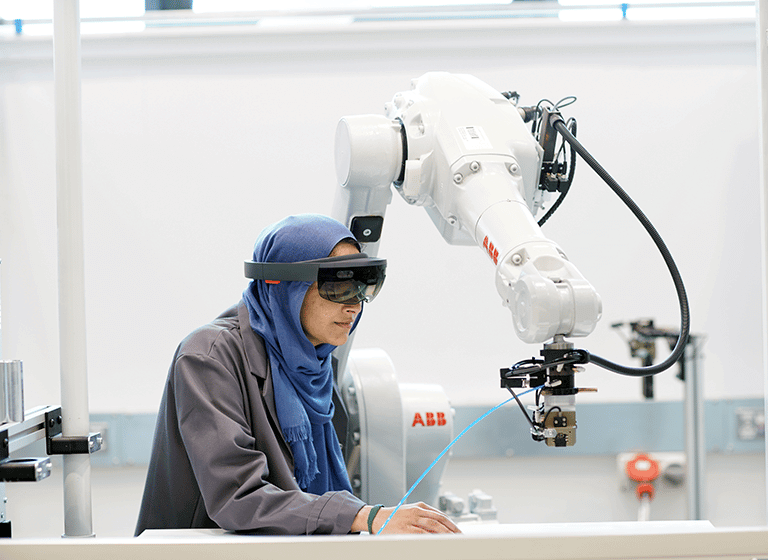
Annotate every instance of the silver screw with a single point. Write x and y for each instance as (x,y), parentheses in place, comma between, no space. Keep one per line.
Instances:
(513,168)
(517,259)
(474,166)
(458,178)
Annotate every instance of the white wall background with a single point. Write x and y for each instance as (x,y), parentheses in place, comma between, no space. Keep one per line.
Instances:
(194,141)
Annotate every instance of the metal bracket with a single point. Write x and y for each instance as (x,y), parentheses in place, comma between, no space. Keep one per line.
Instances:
(60,445)
(25,470)
(5,442)
(56,444)
(52,423)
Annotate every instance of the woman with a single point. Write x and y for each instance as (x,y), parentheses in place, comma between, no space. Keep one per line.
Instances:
(244,439)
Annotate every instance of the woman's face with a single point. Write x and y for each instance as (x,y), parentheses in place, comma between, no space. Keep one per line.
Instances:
(324,321)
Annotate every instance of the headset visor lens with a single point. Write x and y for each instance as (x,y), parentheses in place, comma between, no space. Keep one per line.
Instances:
(347,279)
(350,284)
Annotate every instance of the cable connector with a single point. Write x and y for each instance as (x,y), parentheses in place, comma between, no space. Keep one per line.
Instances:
(528,113)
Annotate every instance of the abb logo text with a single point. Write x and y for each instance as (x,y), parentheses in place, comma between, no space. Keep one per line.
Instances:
(430,419)
(493,252)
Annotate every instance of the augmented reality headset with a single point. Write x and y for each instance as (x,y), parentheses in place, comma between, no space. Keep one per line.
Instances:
(347,279)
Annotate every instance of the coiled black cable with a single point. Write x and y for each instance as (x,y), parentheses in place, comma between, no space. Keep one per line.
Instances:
(685,319)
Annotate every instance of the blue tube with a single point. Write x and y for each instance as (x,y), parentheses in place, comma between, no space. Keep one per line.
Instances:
(444,451)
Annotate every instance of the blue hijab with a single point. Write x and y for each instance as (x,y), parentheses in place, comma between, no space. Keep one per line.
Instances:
(302,375)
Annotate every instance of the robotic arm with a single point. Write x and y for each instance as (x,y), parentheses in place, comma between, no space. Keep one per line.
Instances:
(461,149)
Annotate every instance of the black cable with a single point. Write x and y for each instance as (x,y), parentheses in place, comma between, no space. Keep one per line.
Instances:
(544,422)
(573,127)
(560,198)
(536,132)
(525,412)
(685,319)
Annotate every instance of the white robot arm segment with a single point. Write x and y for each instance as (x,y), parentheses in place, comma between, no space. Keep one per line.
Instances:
(461,149)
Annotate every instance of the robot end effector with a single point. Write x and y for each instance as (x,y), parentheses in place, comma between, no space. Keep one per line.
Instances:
(461,149)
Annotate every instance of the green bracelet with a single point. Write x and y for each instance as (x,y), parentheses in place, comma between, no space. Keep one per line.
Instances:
(371,516)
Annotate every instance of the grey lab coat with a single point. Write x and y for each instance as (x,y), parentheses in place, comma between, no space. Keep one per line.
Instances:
(219,458)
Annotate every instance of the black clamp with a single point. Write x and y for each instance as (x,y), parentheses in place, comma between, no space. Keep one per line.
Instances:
(5,444)
(56,444)
(25,470)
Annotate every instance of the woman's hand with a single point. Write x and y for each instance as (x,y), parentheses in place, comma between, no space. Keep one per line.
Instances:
(409,518)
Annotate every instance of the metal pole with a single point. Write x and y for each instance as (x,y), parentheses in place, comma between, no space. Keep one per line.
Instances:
(695,442)
(762,63)
(74,382)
